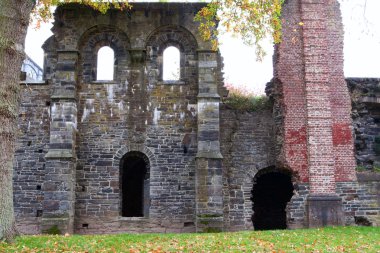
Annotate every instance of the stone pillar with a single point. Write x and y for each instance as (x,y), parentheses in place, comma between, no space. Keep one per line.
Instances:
(324,207)
(59,186)
(209,184)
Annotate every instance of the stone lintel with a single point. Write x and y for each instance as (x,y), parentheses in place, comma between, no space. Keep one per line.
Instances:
(324,210)
(65,154)
(210,96)
(168,82)
(209,154)
(25,82)
(103,82)
(68,51)
(201,50)
(67,97)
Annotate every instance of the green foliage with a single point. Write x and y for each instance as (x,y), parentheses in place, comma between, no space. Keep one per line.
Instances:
(252,20)
(209,215)
(212,230)
(42,9)
(330,239)
(246,101)
(376,169)
(360,168)
(54,230)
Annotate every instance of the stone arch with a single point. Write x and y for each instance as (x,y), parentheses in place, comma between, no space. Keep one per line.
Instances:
(271,192)
(166,36)
(170,35)
(95,38)
(125,149)
(247,190)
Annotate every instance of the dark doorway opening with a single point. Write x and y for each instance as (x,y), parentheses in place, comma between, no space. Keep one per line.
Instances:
(270,194)
(134,185)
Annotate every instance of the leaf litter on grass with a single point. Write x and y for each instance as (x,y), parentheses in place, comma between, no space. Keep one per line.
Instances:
(342,239)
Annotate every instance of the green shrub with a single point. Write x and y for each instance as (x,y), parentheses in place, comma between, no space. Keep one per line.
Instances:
(53,230)
(360,168)
(376,169)
(244,100)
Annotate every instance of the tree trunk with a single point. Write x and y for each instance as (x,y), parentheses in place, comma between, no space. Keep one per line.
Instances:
(14,20)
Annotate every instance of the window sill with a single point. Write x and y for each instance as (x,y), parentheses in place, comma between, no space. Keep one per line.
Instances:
(171,83)
(133,218)
(104,82)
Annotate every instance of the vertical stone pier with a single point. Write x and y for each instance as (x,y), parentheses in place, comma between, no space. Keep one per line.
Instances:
(59,187)
(209,197)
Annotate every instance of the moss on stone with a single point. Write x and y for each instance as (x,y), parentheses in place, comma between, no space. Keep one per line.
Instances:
(209,216)
(212,230)
(53,230)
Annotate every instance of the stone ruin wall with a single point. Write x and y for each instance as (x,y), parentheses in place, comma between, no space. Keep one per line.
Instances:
(248,140)
(31,148)
(139,112)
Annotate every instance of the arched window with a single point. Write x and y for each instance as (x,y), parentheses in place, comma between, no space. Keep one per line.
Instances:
(171,64)
(105,64)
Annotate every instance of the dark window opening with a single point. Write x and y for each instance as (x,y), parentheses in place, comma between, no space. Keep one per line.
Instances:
(188,224)
(134,173)
(270,195)
(39,213)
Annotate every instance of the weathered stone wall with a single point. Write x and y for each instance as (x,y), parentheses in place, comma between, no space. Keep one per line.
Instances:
(247,146)
(365,94)
(202,157)
(31,148)
(137,112)
(95,123)
(361,200)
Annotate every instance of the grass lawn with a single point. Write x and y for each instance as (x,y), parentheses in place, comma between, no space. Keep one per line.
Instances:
(332,239)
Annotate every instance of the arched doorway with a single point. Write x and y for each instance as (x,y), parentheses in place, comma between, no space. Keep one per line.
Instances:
(271,192)
(134,185)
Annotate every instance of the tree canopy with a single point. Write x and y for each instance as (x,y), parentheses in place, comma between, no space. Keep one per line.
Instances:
(42,8)
(252,20)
